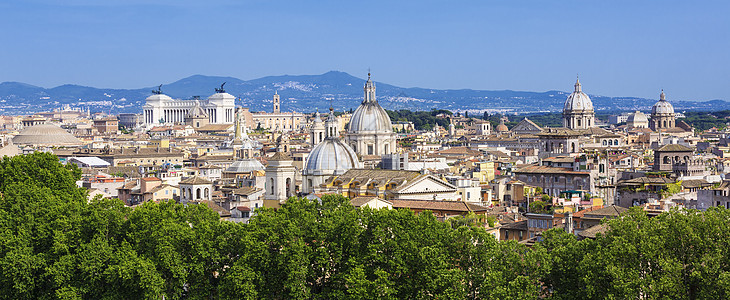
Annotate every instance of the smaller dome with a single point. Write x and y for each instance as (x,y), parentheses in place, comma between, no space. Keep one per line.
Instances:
(578,101)
(245,166)
(502,127)
(637,117)
(663,107)
(331,156)
(45,134)
(197,112)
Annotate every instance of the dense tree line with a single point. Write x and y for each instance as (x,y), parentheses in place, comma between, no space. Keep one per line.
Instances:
(702,120)
(57,245)
(422,120)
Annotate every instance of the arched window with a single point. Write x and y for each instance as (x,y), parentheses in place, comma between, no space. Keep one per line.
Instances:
(271,183)
(578,122)
(610,142)
(207,193)
(604,142)
(666,159)
(665,124)
(288,187)
(615,142)
(197,193)
(309,184)
(573,147)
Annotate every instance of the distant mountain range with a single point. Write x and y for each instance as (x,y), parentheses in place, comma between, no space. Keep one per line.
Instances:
(305,93)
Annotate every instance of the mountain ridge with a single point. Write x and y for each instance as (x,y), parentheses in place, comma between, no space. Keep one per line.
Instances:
(309,92)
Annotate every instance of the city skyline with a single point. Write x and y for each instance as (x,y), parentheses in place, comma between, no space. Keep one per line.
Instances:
(619,49)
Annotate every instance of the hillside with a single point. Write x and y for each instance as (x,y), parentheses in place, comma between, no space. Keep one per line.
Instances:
(308,92)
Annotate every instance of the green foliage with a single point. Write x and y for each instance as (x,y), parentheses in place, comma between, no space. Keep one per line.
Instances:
(55,244)
(679,254)
(702,120)
(422,120)
(541,207)
(671,189)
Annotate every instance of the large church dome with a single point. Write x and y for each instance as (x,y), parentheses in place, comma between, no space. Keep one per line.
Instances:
(331,156)
(47,135)
(578,101)
(663,107)
(370,116)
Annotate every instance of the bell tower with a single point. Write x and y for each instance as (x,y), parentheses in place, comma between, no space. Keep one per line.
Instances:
(277,103)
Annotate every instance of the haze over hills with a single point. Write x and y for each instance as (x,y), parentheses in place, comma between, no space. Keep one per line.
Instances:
(309,92)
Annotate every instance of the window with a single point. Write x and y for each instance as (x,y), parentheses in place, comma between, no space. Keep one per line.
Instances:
(506,234)
(370,149)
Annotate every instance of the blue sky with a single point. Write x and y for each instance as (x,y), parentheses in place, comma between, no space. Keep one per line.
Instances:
(619,48)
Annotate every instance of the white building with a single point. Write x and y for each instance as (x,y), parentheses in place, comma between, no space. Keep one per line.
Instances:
(160,109)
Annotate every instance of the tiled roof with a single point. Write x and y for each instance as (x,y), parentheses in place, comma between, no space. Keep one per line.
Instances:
(519,225)
(246,191)
(609,211)
(549,170)
(458,206)
(591,232)
(558,132)
(279,156)
(646,180)
(361,200)
(195,180)
(674,148)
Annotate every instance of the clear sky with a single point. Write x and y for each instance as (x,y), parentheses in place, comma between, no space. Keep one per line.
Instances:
(619,48)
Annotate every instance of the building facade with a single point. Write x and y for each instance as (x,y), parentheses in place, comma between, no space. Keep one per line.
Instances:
(161,109)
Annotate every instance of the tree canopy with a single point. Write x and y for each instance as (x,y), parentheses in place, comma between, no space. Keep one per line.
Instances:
(56,244)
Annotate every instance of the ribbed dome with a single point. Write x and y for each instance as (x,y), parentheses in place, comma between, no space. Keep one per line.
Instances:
(502,128)
(197,111)
(663,107)
(45,134)
(578,101)
(245,166)
(331,156)
(370,116)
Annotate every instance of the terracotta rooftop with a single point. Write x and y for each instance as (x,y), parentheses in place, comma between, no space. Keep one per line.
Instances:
(549,170)
(195,180)
(458,206)
(674,148)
